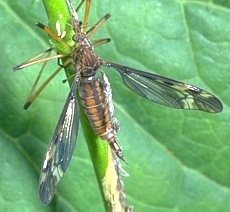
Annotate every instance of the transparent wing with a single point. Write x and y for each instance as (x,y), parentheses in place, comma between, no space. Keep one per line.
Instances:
(167,92)
(60,149)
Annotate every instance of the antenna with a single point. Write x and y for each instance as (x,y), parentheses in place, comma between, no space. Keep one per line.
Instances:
(74,16)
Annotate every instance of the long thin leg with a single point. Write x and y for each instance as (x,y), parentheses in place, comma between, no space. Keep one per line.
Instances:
(33,95)
(78,7)
(52,34)
(91,31)
(36,59)
(38,78)
(86,16)
(100,42)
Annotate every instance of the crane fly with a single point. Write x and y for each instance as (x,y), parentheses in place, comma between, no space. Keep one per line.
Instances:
(96,98)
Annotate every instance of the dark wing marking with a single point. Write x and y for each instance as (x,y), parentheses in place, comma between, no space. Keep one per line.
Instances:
(60,149)
(167,92)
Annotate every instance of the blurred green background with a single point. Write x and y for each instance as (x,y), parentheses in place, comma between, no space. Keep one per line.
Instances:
(178,160)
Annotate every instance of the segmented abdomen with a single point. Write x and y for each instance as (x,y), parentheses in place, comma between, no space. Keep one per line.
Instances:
(96,110)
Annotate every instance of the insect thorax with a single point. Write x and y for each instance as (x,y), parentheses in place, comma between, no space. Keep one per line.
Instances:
(86,61)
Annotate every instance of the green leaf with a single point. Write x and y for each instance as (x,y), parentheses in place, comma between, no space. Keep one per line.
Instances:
(178,160)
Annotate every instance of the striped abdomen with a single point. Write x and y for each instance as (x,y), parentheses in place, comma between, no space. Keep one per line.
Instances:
(96,110)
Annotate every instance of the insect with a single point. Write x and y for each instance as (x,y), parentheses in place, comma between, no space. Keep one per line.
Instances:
(96,99)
